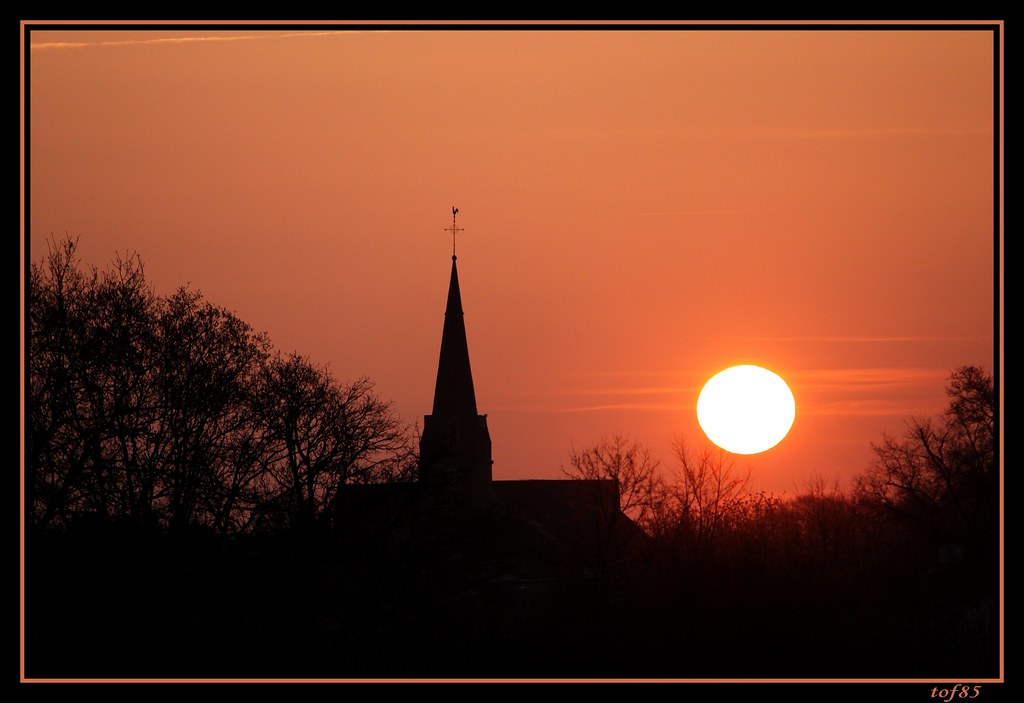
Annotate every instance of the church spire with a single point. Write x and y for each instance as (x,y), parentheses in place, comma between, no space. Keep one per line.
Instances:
(453,392)
(455,447)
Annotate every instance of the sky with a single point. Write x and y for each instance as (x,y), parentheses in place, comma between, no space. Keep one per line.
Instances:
(642,209)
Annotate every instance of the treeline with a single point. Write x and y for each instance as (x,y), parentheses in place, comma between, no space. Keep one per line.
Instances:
(937,483)
(896,573)
(169,412)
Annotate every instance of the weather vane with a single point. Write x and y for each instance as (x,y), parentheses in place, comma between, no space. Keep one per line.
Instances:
(453,229)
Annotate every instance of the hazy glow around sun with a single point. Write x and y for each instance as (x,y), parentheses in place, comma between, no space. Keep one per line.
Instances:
(746,409)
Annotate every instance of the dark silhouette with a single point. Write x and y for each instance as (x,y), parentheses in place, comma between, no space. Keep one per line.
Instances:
(199,505)
(940,479)
(172,413)
(453,229)
(455,437)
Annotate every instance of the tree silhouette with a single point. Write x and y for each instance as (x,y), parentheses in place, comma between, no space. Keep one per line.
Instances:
(92,341)
(322,435)
(625,461)
(632,470)
(206,359)
(171,413)
(939,477)
(706,494)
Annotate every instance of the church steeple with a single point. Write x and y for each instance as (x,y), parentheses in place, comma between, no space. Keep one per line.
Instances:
(453,393)
(455,448)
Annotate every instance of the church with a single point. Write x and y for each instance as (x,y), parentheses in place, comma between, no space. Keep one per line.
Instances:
(523,531)
(457,573)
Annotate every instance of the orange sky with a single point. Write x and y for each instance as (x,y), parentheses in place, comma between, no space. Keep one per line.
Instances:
(641,208)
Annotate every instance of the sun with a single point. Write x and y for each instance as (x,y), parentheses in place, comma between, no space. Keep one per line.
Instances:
(746,409)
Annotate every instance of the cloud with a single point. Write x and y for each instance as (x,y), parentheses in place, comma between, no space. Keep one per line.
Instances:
(46,46)
(648,390)
(719,211)
(570,409)
(866,378)
(642,387)
(871,391)
(580,400)
(861,133)
(865,408)
(896,391)
(867,340)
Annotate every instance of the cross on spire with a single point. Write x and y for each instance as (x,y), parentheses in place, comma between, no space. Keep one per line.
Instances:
(453,229)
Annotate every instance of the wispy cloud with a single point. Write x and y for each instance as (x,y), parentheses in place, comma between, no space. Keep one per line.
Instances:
(668,397)
(869,378)
(897,391)
(649,390)
(865,408)
(861,132)
(632,373)
(865,339)
(717,211)
(53,45)
(555,409)
(872,391)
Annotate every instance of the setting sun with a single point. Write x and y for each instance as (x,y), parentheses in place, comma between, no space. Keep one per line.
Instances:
(746,409)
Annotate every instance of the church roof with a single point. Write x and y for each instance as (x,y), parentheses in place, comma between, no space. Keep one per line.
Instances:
(453,392)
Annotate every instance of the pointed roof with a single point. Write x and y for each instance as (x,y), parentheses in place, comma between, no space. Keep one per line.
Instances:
(453,393)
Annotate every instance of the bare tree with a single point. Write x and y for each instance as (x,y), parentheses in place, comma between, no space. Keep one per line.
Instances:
(625,461)
(621,480)
(169,411)
(207,359)
(828,520)
(707,492)
(56,318)
(92,337)
(940,475)
(323,435)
